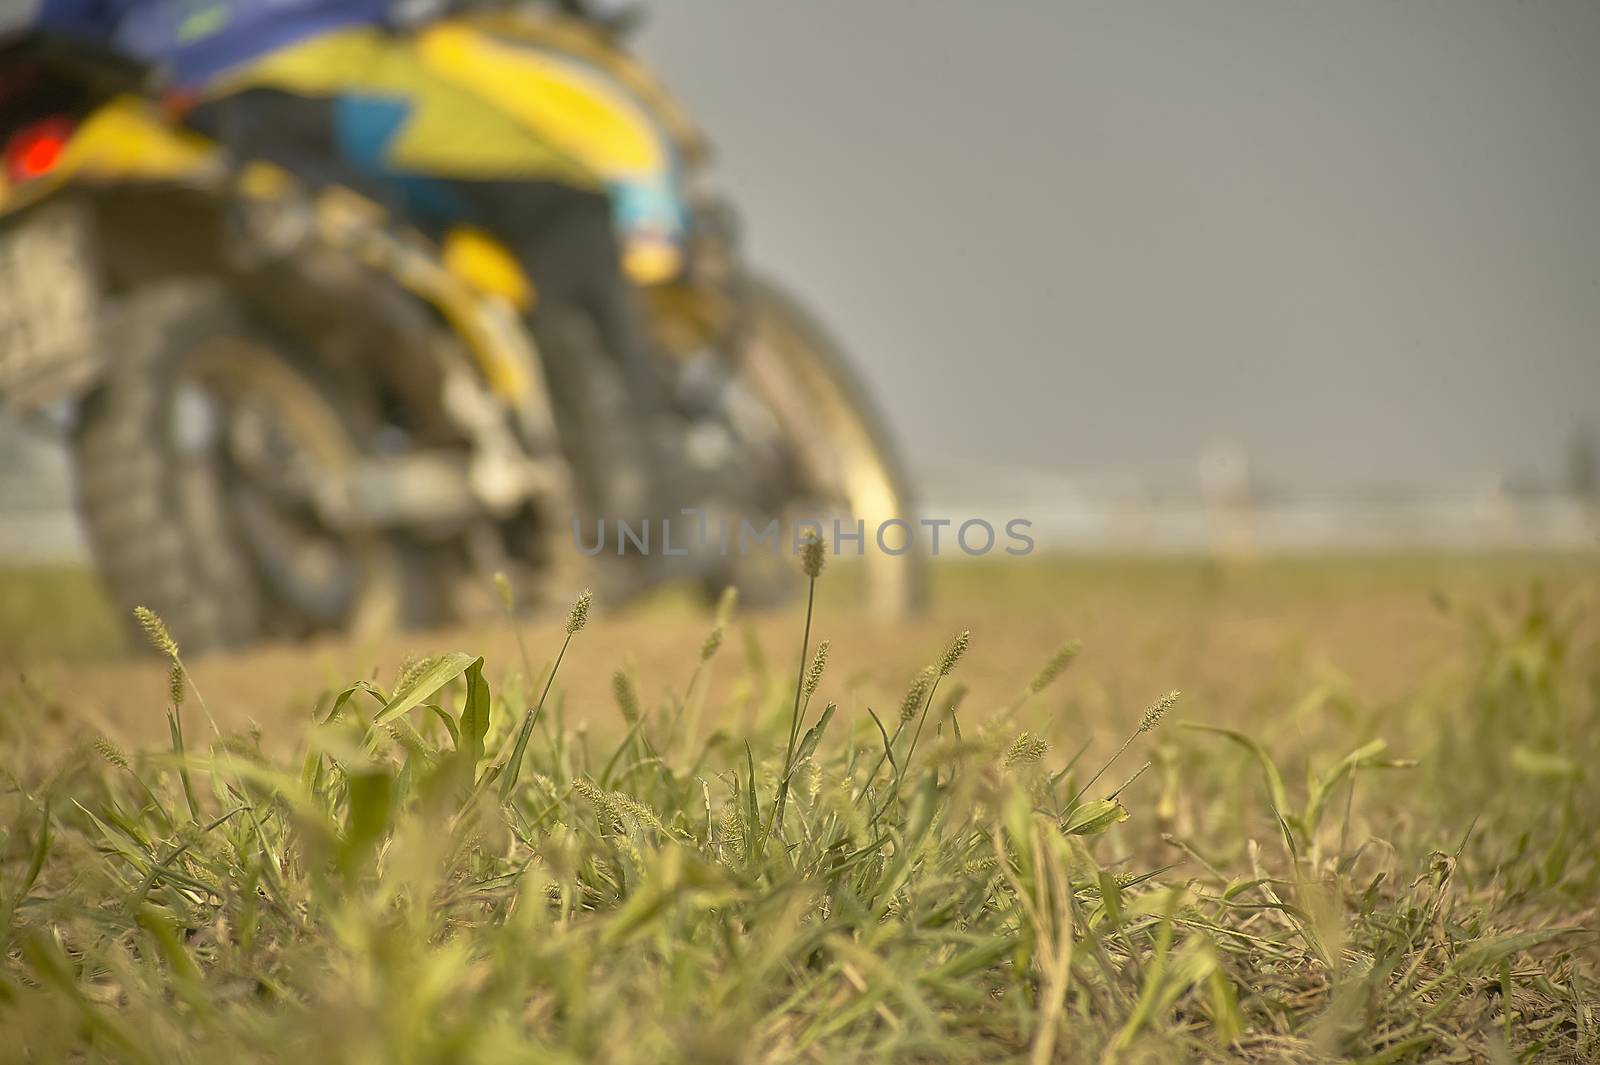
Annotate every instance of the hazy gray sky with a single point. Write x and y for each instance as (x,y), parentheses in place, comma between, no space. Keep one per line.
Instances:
(1363,238)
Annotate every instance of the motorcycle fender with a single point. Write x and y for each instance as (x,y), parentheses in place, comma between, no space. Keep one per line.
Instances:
(128,141)
(123,142)
(484,263)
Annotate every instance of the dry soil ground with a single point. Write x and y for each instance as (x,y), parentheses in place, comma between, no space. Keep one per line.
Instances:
(1240,639)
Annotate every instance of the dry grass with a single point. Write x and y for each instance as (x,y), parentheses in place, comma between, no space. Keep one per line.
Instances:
(1240,640)
(1364,832)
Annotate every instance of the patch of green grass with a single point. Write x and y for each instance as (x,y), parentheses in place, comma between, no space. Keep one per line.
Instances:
(451,874)
(55,612)
(1046,582)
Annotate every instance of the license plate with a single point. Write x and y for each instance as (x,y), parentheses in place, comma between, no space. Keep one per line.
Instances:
(48,300)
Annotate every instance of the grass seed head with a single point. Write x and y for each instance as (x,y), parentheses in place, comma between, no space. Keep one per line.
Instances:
(627,698)
(731,830)
(578,617)
(597,796)
(411,667)
(175,683)
(809,773)
(958,647)
(819,662)
(708,650)
(156,631)
(1055,667)
(916,693)
(1158,710)
(641,814)
(812,555)
(1026,749)
(110,752)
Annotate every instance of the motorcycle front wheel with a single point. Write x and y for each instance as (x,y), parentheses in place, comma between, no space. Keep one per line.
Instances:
(840,443)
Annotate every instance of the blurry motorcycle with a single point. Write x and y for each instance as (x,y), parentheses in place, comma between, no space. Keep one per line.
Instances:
(290,413)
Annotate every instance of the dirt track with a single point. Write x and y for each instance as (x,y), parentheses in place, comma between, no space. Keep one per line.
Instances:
(1221,635)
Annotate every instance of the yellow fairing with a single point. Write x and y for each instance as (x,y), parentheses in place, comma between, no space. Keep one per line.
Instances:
(555,97)
(123,141)
(580,108)
(482,108)
(127,140)
(448,132)
(580,41)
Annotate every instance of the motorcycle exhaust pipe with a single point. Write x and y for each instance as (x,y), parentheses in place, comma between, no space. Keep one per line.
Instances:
(428,490)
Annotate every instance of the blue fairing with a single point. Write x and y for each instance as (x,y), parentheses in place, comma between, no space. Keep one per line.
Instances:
(365,126)
(195,40)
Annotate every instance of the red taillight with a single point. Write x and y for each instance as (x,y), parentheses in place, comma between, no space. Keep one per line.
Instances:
(34,151)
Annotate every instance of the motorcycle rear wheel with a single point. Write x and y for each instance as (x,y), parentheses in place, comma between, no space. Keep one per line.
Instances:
(177,525)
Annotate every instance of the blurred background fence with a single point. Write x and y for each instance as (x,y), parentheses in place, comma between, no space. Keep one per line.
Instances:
(1207,505)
